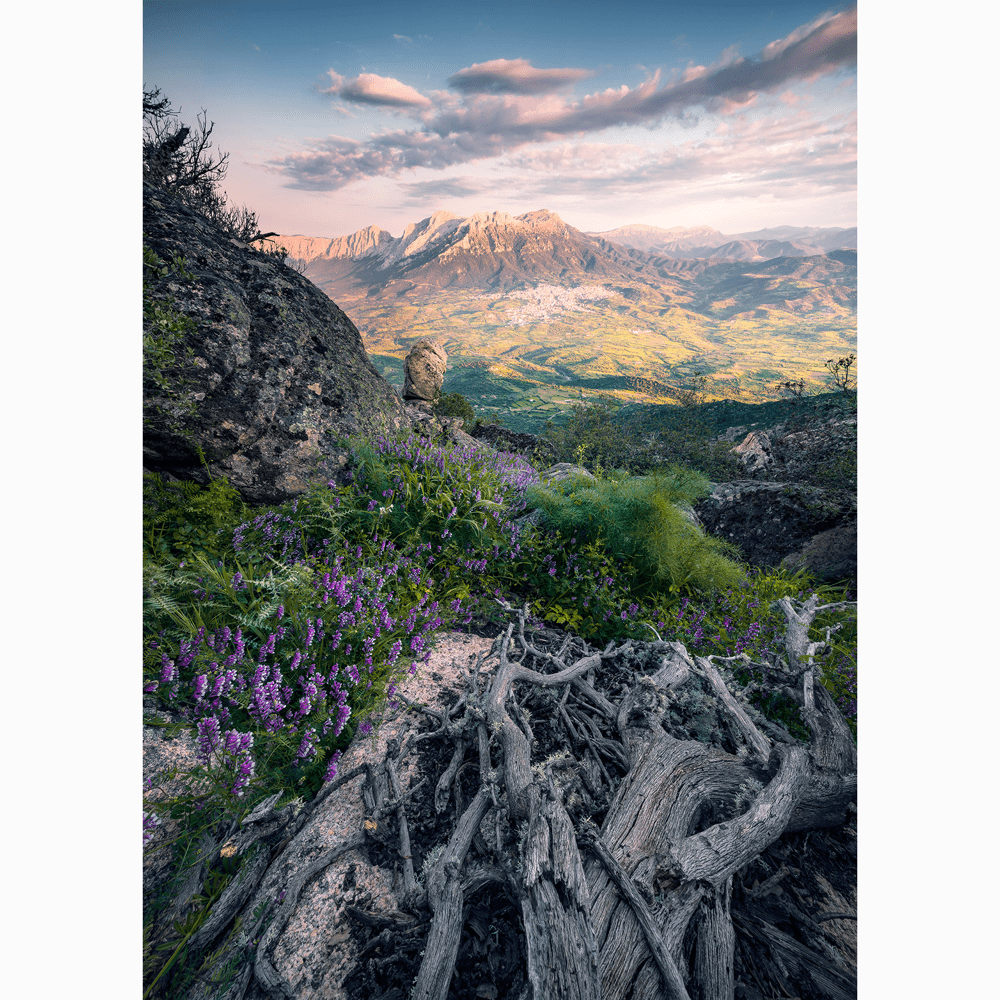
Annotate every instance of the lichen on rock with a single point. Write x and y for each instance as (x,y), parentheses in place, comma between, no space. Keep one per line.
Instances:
(277,365)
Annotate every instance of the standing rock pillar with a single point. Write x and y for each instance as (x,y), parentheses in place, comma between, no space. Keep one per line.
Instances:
(424,370)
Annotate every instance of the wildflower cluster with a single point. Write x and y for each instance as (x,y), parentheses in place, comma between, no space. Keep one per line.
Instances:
(291,680)
(282,650)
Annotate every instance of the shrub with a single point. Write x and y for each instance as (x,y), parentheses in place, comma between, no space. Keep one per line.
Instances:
(599,435)
(454,404)
(840,373)
(638,519)
(176,159)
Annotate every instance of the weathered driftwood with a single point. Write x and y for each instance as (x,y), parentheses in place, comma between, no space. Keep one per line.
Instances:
(637,908)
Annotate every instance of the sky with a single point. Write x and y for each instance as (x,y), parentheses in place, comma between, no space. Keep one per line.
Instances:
(341,115)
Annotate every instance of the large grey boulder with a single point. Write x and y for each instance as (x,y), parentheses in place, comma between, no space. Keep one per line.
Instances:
(424,370)
(768,521)
(278,372)
(830,555)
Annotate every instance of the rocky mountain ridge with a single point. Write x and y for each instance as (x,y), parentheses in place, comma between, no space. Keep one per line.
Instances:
(496,251)
(446,234)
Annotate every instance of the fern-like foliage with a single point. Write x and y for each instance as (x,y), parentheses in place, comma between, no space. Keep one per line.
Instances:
(180,519)
(245,597)
(640,519)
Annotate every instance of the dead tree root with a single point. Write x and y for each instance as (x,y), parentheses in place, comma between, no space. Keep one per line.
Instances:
(601,825)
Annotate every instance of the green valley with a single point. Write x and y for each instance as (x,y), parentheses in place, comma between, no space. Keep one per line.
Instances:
(529,369)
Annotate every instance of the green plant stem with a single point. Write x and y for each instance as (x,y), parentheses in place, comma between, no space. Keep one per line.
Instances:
(170,961)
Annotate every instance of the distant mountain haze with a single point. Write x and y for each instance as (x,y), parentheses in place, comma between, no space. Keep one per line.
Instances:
(704,242)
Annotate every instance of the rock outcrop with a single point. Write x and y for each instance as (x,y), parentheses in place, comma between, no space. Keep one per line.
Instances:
(424,370)
(797,506)
(278,371)
(755,452)
(820,452)
(770,521)
(830,555)
(507,440)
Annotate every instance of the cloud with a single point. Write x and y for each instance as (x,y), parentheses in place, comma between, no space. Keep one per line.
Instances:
(454,187)
(506,104)
(794,157)
(381,91)
(331,163)
(403,38)
(513,76)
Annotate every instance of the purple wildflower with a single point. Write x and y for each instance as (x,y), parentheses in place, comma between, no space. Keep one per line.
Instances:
(208,738)
(331,771)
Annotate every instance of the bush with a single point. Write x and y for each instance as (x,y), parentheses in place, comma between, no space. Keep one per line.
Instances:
(183,519)
(601,437)
(176,159)
(638,519)
(454,404)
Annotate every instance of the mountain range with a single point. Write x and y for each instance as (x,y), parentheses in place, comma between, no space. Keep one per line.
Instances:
(533,303)
(498,251)
(487,250)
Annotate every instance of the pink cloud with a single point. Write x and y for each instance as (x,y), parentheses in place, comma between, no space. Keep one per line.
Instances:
(513,76)
(793,157)
(508,104)
(369,88)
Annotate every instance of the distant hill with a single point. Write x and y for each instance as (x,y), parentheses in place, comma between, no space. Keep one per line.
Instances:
(703,242)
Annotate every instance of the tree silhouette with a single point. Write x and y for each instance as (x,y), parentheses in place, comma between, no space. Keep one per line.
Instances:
(176,159)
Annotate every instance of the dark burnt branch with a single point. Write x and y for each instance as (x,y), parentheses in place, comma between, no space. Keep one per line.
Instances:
(440,717)
(233,898)
(793,956)
(758,744)
(442,791)
(410,889)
